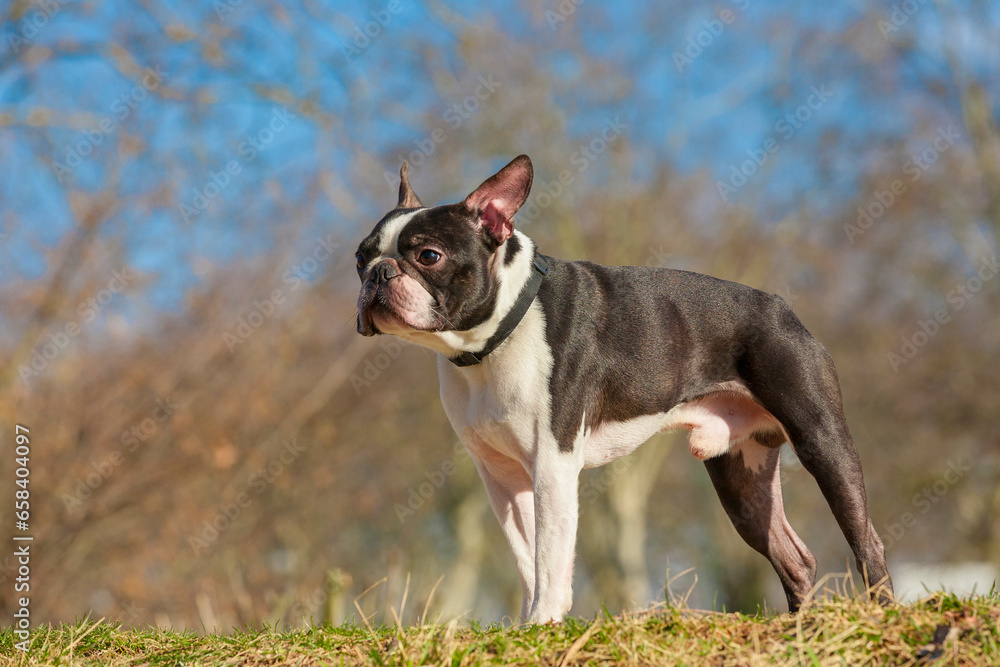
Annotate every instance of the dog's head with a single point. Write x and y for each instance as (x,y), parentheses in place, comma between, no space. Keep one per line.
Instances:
(435,269)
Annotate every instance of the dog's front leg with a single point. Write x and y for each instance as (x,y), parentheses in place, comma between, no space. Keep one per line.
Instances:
(508,486)
(556,510)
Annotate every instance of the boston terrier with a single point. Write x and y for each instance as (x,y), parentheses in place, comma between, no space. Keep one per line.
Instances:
(550,366)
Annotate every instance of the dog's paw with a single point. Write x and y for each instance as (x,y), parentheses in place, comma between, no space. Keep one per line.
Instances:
(545,619)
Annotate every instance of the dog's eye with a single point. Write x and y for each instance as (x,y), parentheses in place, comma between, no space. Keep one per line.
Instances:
(361,261)
(428,257)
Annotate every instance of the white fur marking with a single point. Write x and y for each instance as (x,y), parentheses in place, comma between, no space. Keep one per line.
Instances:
(753,453)
(388,239)
(612,440)
(717,424)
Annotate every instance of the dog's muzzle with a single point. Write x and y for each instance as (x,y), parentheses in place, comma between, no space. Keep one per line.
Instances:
(379,275)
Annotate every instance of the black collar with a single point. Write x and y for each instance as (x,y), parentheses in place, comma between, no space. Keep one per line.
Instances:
(512,318)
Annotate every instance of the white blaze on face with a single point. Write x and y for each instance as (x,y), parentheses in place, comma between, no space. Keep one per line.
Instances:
(409,301)
(388,238)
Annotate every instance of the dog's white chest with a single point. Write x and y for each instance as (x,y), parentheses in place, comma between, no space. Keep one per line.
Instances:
(503,405)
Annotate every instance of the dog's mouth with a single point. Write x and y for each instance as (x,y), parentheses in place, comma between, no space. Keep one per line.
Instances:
(367,304)
(366,324)
(382,313)
(376,315)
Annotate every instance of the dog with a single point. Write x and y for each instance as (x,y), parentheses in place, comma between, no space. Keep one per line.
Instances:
(548,366)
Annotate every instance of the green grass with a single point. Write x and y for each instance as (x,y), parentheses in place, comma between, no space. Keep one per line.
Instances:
(943,629)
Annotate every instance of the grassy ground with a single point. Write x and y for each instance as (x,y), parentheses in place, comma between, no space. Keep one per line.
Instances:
(942,629)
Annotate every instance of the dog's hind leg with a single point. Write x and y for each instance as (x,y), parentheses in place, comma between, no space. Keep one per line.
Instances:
(748,482)
(829,454)
(794,378)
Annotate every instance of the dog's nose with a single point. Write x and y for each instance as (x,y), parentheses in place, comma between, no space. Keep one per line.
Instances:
(383,271)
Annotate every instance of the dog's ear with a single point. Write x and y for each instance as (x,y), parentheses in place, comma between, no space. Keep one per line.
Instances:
(407,197)
(500,196)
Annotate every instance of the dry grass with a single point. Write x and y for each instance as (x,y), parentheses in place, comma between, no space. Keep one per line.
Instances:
(942,629)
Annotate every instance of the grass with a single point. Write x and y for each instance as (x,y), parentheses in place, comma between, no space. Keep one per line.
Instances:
(942,629)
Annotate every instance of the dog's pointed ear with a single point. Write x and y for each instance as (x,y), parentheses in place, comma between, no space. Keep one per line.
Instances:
(500,196)
(407,197)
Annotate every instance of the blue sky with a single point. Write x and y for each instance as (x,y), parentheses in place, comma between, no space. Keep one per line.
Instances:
(725,102)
